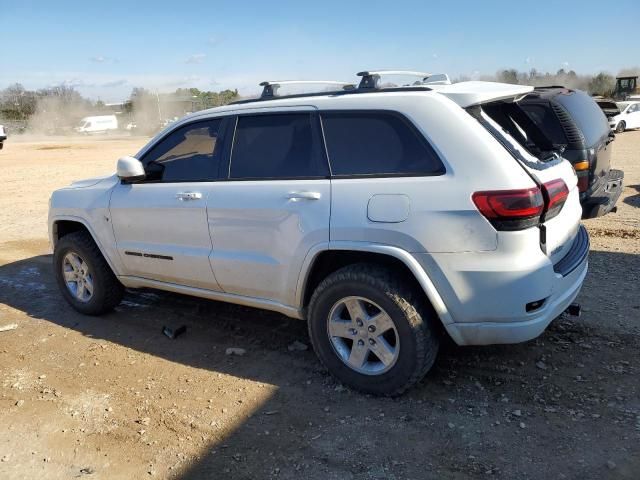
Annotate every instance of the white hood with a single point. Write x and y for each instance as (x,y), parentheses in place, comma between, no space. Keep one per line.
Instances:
(89,182)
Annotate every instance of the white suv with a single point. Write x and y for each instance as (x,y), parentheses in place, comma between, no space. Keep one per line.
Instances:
(383,216)
(3,136)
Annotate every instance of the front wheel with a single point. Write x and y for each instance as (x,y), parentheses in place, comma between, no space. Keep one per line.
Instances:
(83,275)
(371,331)
(621,127)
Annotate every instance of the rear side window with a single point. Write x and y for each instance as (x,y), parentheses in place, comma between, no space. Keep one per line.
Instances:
(188,154)
(377,143)
(587,115)
(277,146)
(546,120)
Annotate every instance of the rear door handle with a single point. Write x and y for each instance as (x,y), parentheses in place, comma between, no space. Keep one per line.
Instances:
(295,196)
(183,196)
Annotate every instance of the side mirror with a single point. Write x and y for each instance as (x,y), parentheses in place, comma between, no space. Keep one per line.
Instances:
(130,169)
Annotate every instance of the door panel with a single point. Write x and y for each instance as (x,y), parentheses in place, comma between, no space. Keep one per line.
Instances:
(262,231)
(161,232)
(160,224)
(273,208)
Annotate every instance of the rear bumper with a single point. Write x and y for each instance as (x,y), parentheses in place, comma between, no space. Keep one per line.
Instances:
(603,200)
(488,302)
(488,333)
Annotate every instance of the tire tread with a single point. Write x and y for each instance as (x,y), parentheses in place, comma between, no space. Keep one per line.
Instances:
(405,297)
(113,290)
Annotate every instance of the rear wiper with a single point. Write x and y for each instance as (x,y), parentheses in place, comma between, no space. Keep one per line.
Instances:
(554,155)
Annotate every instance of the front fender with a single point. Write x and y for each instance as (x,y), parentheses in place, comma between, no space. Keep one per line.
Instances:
(90,208)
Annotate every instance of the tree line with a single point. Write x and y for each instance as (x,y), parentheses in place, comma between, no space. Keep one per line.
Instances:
(50,107)
(601,83)
(59,107)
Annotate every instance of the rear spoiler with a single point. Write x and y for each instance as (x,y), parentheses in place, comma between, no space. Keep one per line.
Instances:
(467,94)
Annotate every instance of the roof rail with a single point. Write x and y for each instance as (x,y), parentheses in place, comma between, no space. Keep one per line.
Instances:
(371,78)
(270,88)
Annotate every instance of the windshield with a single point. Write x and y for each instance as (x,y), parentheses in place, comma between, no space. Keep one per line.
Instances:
(608,105)
(586,114)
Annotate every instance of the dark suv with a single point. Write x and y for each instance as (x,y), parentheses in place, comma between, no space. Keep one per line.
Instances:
(578,129)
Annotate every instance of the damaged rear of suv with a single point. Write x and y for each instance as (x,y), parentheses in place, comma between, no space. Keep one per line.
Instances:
(381,216)
(578,129)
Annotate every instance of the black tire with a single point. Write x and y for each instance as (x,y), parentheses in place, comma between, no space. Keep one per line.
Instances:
(107,290)
(414,322)
(621,127)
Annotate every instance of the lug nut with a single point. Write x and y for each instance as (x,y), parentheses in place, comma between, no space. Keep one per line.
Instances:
(359,322)
(353,331)
(372,341)
(360,343)
(372,328)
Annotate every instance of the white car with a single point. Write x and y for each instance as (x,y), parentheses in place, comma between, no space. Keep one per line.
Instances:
(3,136)
(628,118)
(382,216)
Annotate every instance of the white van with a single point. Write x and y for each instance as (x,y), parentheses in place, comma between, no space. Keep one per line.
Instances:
(97,124)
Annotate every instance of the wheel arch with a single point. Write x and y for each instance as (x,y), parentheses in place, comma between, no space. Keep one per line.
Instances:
(325,260)
(64,225)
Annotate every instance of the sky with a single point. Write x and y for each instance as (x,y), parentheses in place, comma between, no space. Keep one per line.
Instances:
(104,49)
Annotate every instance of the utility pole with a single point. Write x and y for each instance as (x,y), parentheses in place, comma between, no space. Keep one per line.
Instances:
(159,111)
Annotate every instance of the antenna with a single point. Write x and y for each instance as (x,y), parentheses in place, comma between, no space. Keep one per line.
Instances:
(270,88)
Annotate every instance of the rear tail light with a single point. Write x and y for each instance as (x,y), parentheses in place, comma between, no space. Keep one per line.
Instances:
(520,209)
(511,209)
(555,194)
(582,170)
(583,182)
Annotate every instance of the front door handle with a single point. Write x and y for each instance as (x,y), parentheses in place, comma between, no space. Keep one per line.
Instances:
(183,196)
(295,196)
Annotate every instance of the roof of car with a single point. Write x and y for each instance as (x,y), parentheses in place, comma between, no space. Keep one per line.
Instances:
(549,92)
(464,94)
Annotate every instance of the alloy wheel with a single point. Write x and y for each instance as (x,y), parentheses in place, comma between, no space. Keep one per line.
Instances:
(363,335)
(77,277)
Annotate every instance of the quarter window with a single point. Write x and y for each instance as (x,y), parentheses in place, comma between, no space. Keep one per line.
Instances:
(277,146)
(377,143)
(189,154)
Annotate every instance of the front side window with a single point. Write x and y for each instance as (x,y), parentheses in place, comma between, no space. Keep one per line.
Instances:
(277,146)
(376,143)
(189,154)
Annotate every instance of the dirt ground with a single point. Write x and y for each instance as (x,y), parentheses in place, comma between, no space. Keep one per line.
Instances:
(113,398)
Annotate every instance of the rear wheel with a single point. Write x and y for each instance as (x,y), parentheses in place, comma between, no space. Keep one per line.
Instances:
(621,127)
(83,275)
(371,331)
